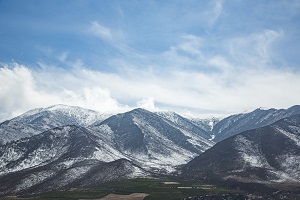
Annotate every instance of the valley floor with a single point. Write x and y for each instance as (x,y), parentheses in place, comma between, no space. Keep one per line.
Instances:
(161,189)
(134,196)
(158,189)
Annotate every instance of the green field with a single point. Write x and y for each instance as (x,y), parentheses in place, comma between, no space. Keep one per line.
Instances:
(154,187)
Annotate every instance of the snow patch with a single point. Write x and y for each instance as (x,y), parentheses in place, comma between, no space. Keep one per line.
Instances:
(290,164)
(291,136)
(250,152)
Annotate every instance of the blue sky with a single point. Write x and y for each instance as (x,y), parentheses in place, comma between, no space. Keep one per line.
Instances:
(195,57)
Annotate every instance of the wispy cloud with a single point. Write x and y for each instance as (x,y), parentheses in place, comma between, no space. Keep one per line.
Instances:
(216,12)
(254,49)
(100,31)
(63,57)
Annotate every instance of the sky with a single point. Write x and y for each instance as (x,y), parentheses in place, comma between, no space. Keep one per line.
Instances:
(202,58)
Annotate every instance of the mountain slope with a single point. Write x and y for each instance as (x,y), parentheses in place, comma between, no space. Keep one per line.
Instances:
(13,130)
(141,136)
(236,124)
(61,157)
(150,140)
(202,129)
(54,176)
(68,143)
(42,119)
(265,155)
(59,115)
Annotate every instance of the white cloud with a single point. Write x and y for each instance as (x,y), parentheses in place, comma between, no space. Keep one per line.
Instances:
(100,31)
(18,91)
(217,10)
(63,57)
(147,104)
(191,45)
(26,89)
(212,14)
(217,82)
(220,62)
(254,49)
(190,91)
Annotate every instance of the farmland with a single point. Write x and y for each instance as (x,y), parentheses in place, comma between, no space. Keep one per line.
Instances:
(157,189)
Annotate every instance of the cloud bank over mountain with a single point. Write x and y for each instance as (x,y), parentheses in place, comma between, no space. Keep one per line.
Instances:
(215,57)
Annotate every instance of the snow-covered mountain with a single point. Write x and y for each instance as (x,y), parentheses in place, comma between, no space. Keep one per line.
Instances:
(264,155)
(64,146)
(61,157)
(70,143)
(202,127)
(236,124)
(60,115)
(13,130)
(152,141)
(68,154)
(42,119)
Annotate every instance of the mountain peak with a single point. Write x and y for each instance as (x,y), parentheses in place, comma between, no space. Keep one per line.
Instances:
(139,110)
(60,107)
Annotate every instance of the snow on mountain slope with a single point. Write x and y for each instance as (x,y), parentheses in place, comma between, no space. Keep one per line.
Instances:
(187,124)
(263,155)
(70,143)
(152,141)
(250,152)
(63,146)
(59,115)
(59,158)
(195,135)
(236,124)
(143,137)
(206,124)
(41,119)
(11,130)
(55,176)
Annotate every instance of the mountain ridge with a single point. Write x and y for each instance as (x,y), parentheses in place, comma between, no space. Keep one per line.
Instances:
(238,123)
(264,155)
(57,148)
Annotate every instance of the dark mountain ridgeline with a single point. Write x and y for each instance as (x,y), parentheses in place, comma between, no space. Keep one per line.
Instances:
(236,124)
(264,155)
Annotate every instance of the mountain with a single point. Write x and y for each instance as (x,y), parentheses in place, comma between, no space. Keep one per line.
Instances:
(201,127)
(152,141)
(69,143)
(64,146)
(55,176)
(59,158)
(236,124)
(206,124)
(13,130)
(146,138)
(264,155)
(58,115)
(131,144)
(42,119)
